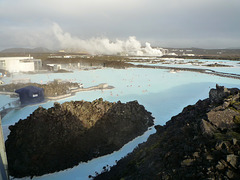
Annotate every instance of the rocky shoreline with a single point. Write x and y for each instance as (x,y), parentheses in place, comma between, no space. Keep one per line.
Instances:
(204,71)
(60,137)
(52,92)
(202,142)
(53,88)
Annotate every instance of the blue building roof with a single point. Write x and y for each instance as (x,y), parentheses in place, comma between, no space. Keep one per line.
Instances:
(30,95)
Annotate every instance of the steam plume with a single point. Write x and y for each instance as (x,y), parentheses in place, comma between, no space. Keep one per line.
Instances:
(103,45)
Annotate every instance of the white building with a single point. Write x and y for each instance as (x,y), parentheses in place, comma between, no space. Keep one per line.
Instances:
(20,64)
(188,54)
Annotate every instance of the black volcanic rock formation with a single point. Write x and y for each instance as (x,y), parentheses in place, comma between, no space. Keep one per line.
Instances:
(54,88)
(60,137)
(202,142)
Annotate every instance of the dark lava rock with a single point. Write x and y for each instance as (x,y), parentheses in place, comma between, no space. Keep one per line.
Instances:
(202,142)
(53,88)
(226,116)
(60,137)
(217,65)
(217,95)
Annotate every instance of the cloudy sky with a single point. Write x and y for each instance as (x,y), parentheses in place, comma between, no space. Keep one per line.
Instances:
(164,23)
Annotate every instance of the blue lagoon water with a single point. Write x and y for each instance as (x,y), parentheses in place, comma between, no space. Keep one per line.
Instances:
(234,66)
(162,93)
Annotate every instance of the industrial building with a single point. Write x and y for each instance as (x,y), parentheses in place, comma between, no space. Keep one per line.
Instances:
(20,64)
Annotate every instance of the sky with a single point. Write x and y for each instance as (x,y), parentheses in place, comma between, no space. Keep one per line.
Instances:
(163,23)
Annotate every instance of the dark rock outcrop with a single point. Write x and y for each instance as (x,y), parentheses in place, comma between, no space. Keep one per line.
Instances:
(217,95)
(217,65)
(60,137)
(202,142)
(53,88)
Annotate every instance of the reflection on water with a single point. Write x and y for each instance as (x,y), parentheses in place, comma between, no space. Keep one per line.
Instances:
(162,93)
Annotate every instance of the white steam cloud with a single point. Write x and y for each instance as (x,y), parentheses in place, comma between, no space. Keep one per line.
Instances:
(103,45)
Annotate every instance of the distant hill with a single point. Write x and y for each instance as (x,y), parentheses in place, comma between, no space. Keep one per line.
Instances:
(27,50)
(233,48)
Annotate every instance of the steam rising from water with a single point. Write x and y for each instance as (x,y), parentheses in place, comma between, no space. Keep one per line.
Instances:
(103,45)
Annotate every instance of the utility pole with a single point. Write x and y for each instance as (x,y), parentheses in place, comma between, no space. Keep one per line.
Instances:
(3,156)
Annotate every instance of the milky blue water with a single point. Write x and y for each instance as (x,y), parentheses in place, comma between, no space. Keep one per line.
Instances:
(162,93)
(199,64)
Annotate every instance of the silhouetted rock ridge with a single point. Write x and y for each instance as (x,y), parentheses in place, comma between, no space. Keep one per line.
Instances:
(202,142)
(60,137)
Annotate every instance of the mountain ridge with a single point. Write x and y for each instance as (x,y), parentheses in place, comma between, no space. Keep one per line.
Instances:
(27,50)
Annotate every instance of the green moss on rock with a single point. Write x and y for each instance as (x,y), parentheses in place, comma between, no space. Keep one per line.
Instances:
(236,119)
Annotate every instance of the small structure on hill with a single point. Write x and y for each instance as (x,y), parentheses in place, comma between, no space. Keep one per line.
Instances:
(30,95)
